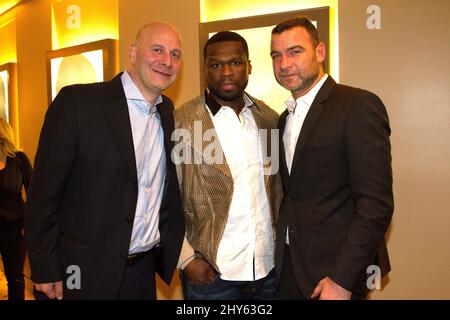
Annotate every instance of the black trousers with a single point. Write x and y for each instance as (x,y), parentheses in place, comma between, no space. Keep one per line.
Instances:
(12,250)
(138,282)
(288,288)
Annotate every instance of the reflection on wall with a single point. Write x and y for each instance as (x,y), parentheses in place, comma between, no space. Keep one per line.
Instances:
(79,68)
(8,39)
(4,112)
(76,22)
(5,5)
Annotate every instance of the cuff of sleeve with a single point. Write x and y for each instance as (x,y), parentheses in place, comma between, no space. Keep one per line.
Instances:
(187,254)
(187,261)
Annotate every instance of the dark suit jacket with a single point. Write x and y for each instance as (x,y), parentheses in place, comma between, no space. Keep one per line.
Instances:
(338,198)
(83,192)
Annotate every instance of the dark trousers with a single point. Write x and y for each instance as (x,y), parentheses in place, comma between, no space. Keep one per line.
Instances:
(262,289)
(288,288)
(12,250)
(138,282)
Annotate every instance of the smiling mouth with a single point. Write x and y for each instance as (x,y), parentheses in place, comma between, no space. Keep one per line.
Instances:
(163,73)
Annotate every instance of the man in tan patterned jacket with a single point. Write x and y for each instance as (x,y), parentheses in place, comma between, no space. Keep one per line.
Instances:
(226,151)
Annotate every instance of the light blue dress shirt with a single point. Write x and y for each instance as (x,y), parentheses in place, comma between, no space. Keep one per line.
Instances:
(148,140)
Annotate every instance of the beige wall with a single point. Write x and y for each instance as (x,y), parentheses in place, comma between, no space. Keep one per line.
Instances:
(33,23)
(407,64)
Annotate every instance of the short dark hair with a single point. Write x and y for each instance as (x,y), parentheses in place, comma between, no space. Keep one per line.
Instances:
(223,36)
(303,22)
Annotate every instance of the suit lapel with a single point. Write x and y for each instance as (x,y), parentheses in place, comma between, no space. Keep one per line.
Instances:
(263,122)
(165,110)
(283,164)
(311,119)
(117,113)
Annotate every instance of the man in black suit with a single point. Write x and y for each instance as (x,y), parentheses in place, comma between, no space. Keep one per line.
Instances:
(104,211)
(335,165)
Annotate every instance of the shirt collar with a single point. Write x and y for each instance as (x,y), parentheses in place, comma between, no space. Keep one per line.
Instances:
(214,106)
(132,93)
(307,99)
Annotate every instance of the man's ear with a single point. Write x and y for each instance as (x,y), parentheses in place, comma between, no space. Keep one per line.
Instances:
(321,52)
(133,53)
(249,67)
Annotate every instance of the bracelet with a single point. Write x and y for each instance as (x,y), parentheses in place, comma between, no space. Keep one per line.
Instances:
(188,260)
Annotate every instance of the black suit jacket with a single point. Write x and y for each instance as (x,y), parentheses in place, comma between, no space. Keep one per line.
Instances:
(13,177)
(338,198)
(83,192)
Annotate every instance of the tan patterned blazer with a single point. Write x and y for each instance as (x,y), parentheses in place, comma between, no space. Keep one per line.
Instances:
(207,188)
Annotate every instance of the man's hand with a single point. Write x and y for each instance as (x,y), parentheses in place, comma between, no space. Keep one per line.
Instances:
(327,289)
(199,272)
(51,290)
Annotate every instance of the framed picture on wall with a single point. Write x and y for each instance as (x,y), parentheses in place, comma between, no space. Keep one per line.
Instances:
(256,30)
(7,90)
(91,62)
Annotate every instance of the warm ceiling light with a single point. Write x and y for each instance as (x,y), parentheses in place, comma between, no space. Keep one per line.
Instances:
(5,5)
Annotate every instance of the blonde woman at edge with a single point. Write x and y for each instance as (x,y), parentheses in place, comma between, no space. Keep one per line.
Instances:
(15,173)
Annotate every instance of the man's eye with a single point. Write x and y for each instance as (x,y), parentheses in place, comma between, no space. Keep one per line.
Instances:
(236,63)
(216,66)
(275,56)
(157,50)
(176,55)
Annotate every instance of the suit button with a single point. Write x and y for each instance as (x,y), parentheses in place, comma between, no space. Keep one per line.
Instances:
(123,255)
(128,220)
(134,185)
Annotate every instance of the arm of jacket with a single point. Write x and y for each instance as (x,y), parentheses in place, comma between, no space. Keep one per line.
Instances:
(53,163)
(26,169)
(187,251)
(368,153)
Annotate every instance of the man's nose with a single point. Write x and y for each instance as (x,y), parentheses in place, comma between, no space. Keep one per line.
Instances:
(166,59)
(227,69)
(285,62)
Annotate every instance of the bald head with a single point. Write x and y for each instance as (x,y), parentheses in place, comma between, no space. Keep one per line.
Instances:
(155,58)
(156,27)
